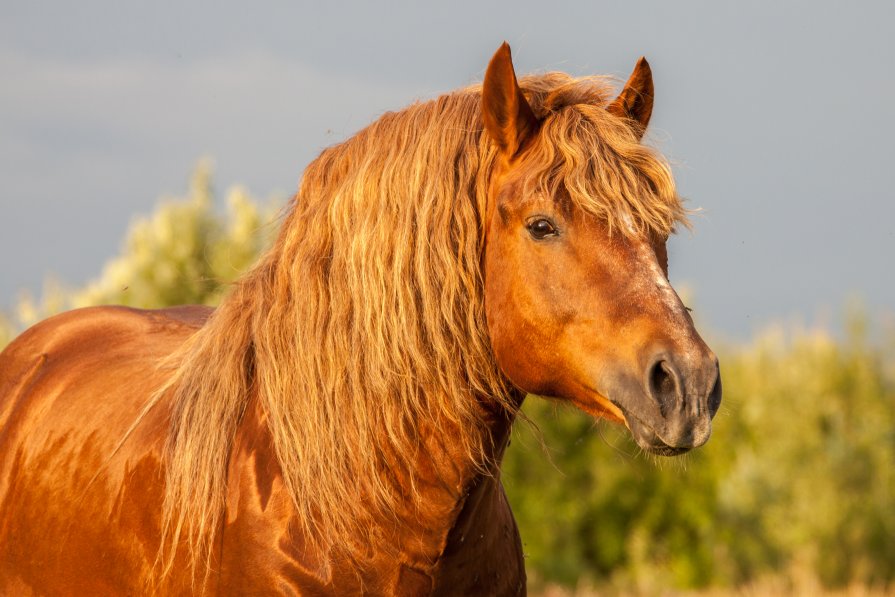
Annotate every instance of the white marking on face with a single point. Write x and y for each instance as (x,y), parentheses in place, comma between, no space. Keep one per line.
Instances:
(655,285)
(647,261)
(646,258)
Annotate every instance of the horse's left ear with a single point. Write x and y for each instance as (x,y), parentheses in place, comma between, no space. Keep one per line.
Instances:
(508,118)
(635,102)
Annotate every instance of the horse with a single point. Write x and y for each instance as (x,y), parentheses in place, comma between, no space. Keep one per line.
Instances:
(336,424)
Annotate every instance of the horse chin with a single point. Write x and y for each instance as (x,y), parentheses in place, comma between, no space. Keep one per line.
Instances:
(663,449)
(650,441)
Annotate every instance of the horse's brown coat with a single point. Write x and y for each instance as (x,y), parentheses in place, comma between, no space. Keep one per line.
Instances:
(63,532)
(93,483)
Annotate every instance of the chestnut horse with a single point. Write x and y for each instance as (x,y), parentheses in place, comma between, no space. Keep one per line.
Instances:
(336,426)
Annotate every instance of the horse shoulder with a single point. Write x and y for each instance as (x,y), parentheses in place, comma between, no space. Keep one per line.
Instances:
(70,388)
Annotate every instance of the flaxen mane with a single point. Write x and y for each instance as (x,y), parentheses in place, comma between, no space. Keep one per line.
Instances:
(366,317)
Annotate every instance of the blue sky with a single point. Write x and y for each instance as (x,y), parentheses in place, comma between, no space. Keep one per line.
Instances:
(778,117)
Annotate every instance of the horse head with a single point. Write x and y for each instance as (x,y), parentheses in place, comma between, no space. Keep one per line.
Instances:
(577,297)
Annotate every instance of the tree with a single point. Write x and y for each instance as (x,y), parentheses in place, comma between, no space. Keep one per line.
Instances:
(184,253)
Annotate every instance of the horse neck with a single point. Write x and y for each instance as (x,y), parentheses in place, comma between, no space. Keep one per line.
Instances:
(444,468)
(444,477)
(418,532)
(448,491)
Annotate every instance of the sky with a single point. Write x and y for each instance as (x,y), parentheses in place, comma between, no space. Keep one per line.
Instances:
(777,116)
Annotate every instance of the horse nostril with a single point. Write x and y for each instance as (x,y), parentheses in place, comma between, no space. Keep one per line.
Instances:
(663,385)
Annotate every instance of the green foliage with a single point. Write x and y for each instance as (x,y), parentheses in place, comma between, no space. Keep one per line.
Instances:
(799,475)
(184,253)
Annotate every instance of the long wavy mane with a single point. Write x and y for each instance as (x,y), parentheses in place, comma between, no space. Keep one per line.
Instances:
(366,317)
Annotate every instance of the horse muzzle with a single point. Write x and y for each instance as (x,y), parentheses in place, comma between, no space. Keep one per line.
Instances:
(669,410)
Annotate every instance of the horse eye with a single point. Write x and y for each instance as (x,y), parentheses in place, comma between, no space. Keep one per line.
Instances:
(541,228)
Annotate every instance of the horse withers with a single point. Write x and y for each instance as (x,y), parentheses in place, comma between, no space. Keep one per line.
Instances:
(336,425)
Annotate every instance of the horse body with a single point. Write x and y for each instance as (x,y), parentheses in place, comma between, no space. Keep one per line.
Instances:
(77,522)
(336,425)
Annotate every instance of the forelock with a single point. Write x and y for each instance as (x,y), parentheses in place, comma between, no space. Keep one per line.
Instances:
(596,158)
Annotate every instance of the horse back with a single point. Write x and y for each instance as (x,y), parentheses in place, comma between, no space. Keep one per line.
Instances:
(70,504)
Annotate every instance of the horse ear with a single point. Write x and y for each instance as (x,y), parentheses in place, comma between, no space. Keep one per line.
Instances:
(635,102)
(508,117)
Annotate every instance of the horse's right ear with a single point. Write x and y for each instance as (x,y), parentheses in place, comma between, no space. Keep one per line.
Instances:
(508,117)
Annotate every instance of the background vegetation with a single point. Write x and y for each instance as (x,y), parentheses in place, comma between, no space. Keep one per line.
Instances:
(796,486)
